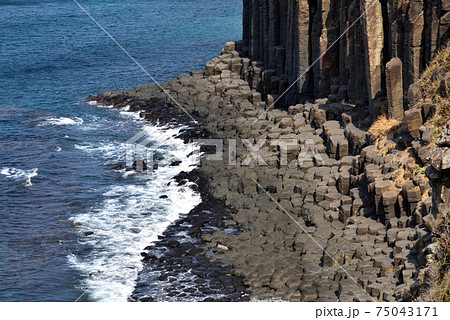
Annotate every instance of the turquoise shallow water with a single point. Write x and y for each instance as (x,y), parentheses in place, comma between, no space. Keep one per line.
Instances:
(55,185)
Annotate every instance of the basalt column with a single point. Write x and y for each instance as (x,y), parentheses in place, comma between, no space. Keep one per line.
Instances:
(291,41)
(264,32)
(430,32)
(255,43)
(394,89)
(329,54)
(246,25)
(373,48)
(303,45)
(356,59)
(315,30)
(343,26)
(444,22)
(273,34)
(339,48)
(410,50)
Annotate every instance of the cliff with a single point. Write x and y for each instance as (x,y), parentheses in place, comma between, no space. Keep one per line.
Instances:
(347,43)
(373,201)
(370,199)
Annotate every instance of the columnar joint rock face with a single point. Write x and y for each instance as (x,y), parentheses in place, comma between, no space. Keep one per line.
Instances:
(339,48)
(374,37)
(319,167)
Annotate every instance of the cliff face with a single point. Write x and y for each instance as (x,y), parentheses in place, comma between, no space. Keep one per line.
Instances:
(284,38)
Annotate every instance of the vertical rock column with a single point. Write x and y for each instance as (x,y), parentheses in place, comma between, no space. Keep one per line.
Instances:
(273,32)
(303,45)
(329,34)
(384,207)
(289,40)
(444,22)
(343,41)
(280,60)
(389,200)
(315,30)
(394,87)
(294,17)
(431,29)
(246,26)
(264,32)
(373,36)
(255,30)
(413,25)
(356,61)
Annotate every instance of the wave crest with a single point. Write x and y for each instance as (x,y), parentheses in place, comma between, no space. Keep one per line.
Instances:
(62,121)
(19,175)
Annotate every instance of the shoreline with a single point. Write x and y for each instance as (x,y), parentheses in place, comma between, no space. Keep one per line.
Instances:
(178,267)
(171,257)
(343,195)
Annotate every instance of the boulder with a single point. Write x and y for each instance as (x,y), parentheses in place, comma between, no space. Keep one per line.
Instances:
(229,47)
(414,94)
(440,160)
(413,118)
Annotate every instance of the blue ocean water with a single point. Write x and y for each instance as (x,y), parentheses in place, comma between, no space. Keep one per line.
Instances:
(70,225)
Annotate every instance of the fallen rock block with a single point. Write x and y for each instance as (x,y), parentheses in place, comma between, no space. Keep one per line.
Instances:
(413,118)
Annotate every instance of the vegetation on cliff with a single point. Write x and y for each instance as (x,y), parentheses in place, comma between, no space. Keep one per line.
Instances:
(434,86)
(434,90)
(409,143)
(437,283)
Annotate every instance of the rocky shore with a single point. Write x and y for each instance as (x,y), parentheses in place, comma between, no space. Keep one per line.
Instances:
(177,267)
(305,205)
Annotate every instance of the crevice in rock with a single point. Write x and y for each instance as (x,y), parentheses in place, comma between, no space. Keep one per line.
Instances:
(314,32)
(426,35)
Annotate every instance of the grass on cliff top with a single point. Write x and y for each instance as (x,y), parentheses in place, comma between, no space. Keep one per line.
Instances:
(430,85)
(437,284)
(383,126)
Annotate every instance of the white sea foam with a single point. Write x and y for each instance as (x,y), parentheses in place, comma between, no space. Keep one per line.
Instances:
(135,115)
(62,121)
(131,216)
(107,150)
(19,175)
(94,103)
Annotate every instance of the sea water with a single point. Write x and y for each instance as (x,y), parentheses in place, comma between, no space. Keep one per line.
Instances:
(73,219)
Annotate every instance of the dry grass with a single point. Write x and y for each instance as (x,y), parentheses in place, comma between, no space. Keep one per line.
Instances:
(434,289)
(408,168)
(431,78)
(436,286)
(404,157)
(383,127)
(430,83)
(383,146)
(399,180)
